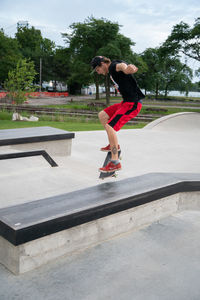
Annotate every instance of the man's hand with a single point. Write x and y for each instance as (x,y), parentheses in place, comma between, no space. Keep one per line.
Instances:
(126,69)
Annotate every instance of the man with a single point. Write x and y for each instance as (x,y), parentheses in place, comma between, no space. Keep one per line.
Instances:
(115,116)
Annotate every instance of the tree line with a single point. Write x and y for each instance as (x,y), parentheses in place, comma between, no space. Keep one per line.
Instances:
(160,68)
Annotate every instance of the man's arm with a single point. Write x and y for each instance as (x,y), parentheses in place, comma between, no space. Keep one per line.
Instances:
(126,69)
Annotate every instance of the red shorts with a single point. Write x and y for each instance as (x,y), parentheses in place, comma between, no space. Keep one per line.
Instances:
(121,113)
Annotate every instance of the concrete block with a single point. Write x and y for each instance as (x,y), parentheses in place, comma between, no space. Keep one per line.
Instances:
(189,201)
(9,256)
(28,256)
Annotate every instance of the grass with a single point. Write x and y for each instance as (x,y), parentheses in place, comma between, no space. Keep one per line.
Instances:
(171,103)
(5,115)
(57,121)
(69,126)
(77,106)
(169,110)
(173,98)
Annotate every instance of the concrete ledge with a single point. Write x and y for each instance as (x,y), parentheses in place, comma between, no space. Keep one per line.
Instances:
(37,232)
(55,141)
(28,256)
(22,223)
(32,135)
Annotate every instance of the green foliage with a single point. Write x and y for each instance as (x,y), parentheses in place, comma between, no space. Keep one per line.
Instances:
(185,39)
(69,126)
(197,73)
(20,80)
(164,72)
(91,38)
(29,40)
(33,46)
(5,115)
(85,41)
(151,77)
(58,64)
(9,55)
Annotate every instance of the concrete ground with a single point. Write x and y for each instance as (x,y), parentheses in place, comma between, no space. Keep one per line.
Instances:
(143,151)
(158,262)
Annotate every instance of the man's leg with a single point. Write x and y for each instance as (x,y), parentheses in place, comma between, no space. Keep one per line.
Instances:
(112,136)
(103,117)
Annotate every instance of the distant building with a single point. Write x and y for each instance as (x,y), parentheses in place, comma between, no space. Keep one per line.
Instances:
(50,86)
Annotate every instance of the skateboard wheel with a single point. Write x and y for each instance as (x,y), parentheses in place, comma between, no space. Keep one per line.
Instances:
(114,175)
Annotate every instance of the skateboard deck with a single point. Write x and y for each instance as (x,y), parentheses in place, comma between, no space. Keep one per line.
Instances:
(109,174)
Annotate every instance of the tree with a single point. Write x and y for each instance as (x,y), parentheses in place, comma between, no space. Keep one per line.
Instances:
(164,72)
(137,59)
(176,75)
(91,38)
(9,55)
(20,80)
(58,64)
(151,78)
(34,47)
(197,73)
(185,39)
(195,87)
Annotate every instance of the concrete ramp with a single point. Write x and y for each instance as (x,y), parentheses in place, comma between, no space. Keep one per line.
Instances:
(185,121)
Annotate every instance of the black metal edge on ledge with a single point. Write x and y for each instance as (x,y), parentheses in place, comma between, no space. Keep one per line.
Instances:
(37,139)
(30,233)
(46,156)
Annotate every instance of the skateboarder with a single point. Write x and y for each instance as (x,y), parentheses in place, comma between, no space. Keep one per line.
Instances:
(117,115)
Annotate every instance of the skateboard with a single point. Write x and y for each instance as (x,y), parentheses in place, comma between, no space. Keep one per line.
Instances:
(109,174)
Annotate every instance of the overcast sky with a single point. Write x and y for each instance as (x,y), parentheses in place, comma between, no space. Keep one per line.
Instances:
(147,22)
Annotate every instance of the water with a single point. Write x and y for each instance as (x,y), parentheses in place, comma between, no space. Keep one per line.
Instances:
(179,94)
(190,94)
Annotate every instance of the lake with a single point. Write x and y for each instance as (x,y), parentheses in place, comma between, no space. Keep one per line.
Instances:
(178,94)
(190,94)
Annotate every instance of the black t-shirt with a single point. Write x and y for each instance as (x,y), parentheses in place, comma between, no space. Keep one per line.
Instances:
(127,84)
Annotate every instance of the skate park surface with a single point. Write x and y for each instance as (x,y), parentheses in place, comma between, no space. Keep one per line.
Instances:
(158,261)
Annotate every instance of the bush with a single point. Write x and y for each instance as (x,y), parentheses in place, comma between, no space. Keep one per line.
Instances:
(20,81)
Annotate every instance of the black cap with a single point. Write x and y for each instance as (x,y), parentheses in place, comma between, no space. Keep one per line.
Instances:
(96,61)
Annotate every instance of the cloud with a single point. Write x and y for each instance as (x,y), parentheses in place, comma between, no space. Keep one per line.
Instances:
(148,23)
